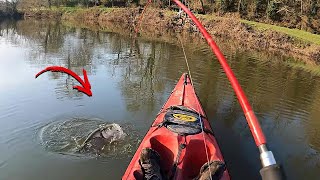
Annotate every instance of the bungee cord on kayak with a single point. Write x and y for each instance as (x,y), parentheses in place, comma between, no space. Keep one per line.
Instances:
(117,98)
(201,123)
(174,146)
(205,145)
(270,169)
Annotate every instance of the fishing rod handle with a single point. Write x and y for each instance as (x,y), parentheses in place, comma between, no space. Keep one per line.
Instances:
(270,169)
(272,172)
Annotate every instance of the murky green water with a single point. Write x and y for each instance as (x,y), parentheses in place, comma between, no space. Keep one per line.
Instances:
(130,82)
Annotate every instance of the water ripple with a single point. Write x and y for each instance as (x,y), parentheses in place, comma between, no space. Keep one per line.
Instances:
(65,137)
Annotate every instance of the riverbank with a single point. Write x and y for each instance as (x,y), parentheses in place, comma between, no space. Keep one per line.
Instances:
(246,34)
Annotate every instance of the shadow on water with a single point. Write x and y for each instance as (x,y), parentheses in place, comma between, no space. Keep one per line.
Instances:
(131,79)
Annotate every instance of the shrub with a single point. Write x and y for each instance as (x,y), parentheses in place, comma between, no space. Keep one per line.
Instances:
(273,10)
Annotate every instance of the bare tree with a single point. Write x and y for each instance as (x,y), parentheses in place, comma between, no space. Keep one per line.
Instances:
(8,8)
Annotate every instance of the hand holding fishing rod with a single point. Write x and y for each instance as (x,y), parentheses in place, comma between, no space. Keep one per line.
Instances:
(270,169)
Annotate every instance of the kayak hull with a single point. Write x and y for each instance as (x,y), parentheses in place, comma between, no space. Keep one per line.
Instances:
(197,148)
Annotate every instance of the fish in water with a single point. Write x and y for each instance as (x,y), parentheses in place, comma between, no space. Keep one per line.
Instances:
(100,137)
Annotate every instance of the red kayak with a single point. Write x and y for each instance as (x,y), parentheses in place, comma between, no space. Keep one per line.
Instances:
(182,136)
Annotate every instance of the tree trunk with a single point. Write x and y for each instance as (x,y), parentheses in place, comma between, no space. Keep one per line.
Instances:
(239,5)
(7,6)
(301,14)
(201,1)
(301,8)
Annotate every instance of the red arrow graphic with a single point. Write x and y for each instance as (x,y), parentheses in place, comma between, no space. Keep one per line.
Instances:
(85,88)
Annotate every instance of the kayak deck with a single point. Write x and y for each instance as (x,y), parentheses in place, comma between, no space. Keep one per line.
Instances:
(182,156)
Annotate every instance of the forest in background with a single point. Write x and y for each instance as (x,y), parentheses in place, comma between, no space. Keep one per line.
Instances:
(299,14)
(8,8)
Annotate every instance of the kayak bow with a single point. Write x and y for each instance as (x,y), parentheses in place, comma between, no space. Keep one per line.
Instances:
(182,135)
(270,169)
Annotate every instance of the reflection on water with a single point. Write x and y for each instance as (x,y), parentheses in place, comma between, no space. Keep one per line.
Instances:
(131,79)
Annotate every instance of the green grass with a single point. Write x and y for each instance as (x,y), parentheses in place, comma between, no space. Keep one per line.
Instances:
(301,35)
(296,33)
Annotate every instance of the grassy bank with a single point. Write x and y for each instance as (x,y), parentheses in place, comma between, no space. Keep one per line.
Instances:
(249,34)
(69,9)
(304,36)
(57,12)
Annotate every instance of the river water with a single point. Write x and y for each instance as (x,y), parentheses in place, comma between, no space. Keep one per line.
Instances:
(42,119)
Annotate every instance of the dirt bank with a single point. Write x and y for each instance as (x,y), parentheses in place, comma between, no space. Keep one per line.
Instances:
(161,21)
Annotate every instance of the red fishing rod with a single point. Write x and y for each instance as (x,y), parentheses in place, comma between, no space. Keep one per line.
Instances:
(270,168)
(250,116)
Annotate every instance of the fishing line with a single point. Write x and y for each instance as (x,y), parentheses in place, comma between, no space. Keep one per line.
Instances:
(186,59)
(201,122)
(205,145)
(189,72)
